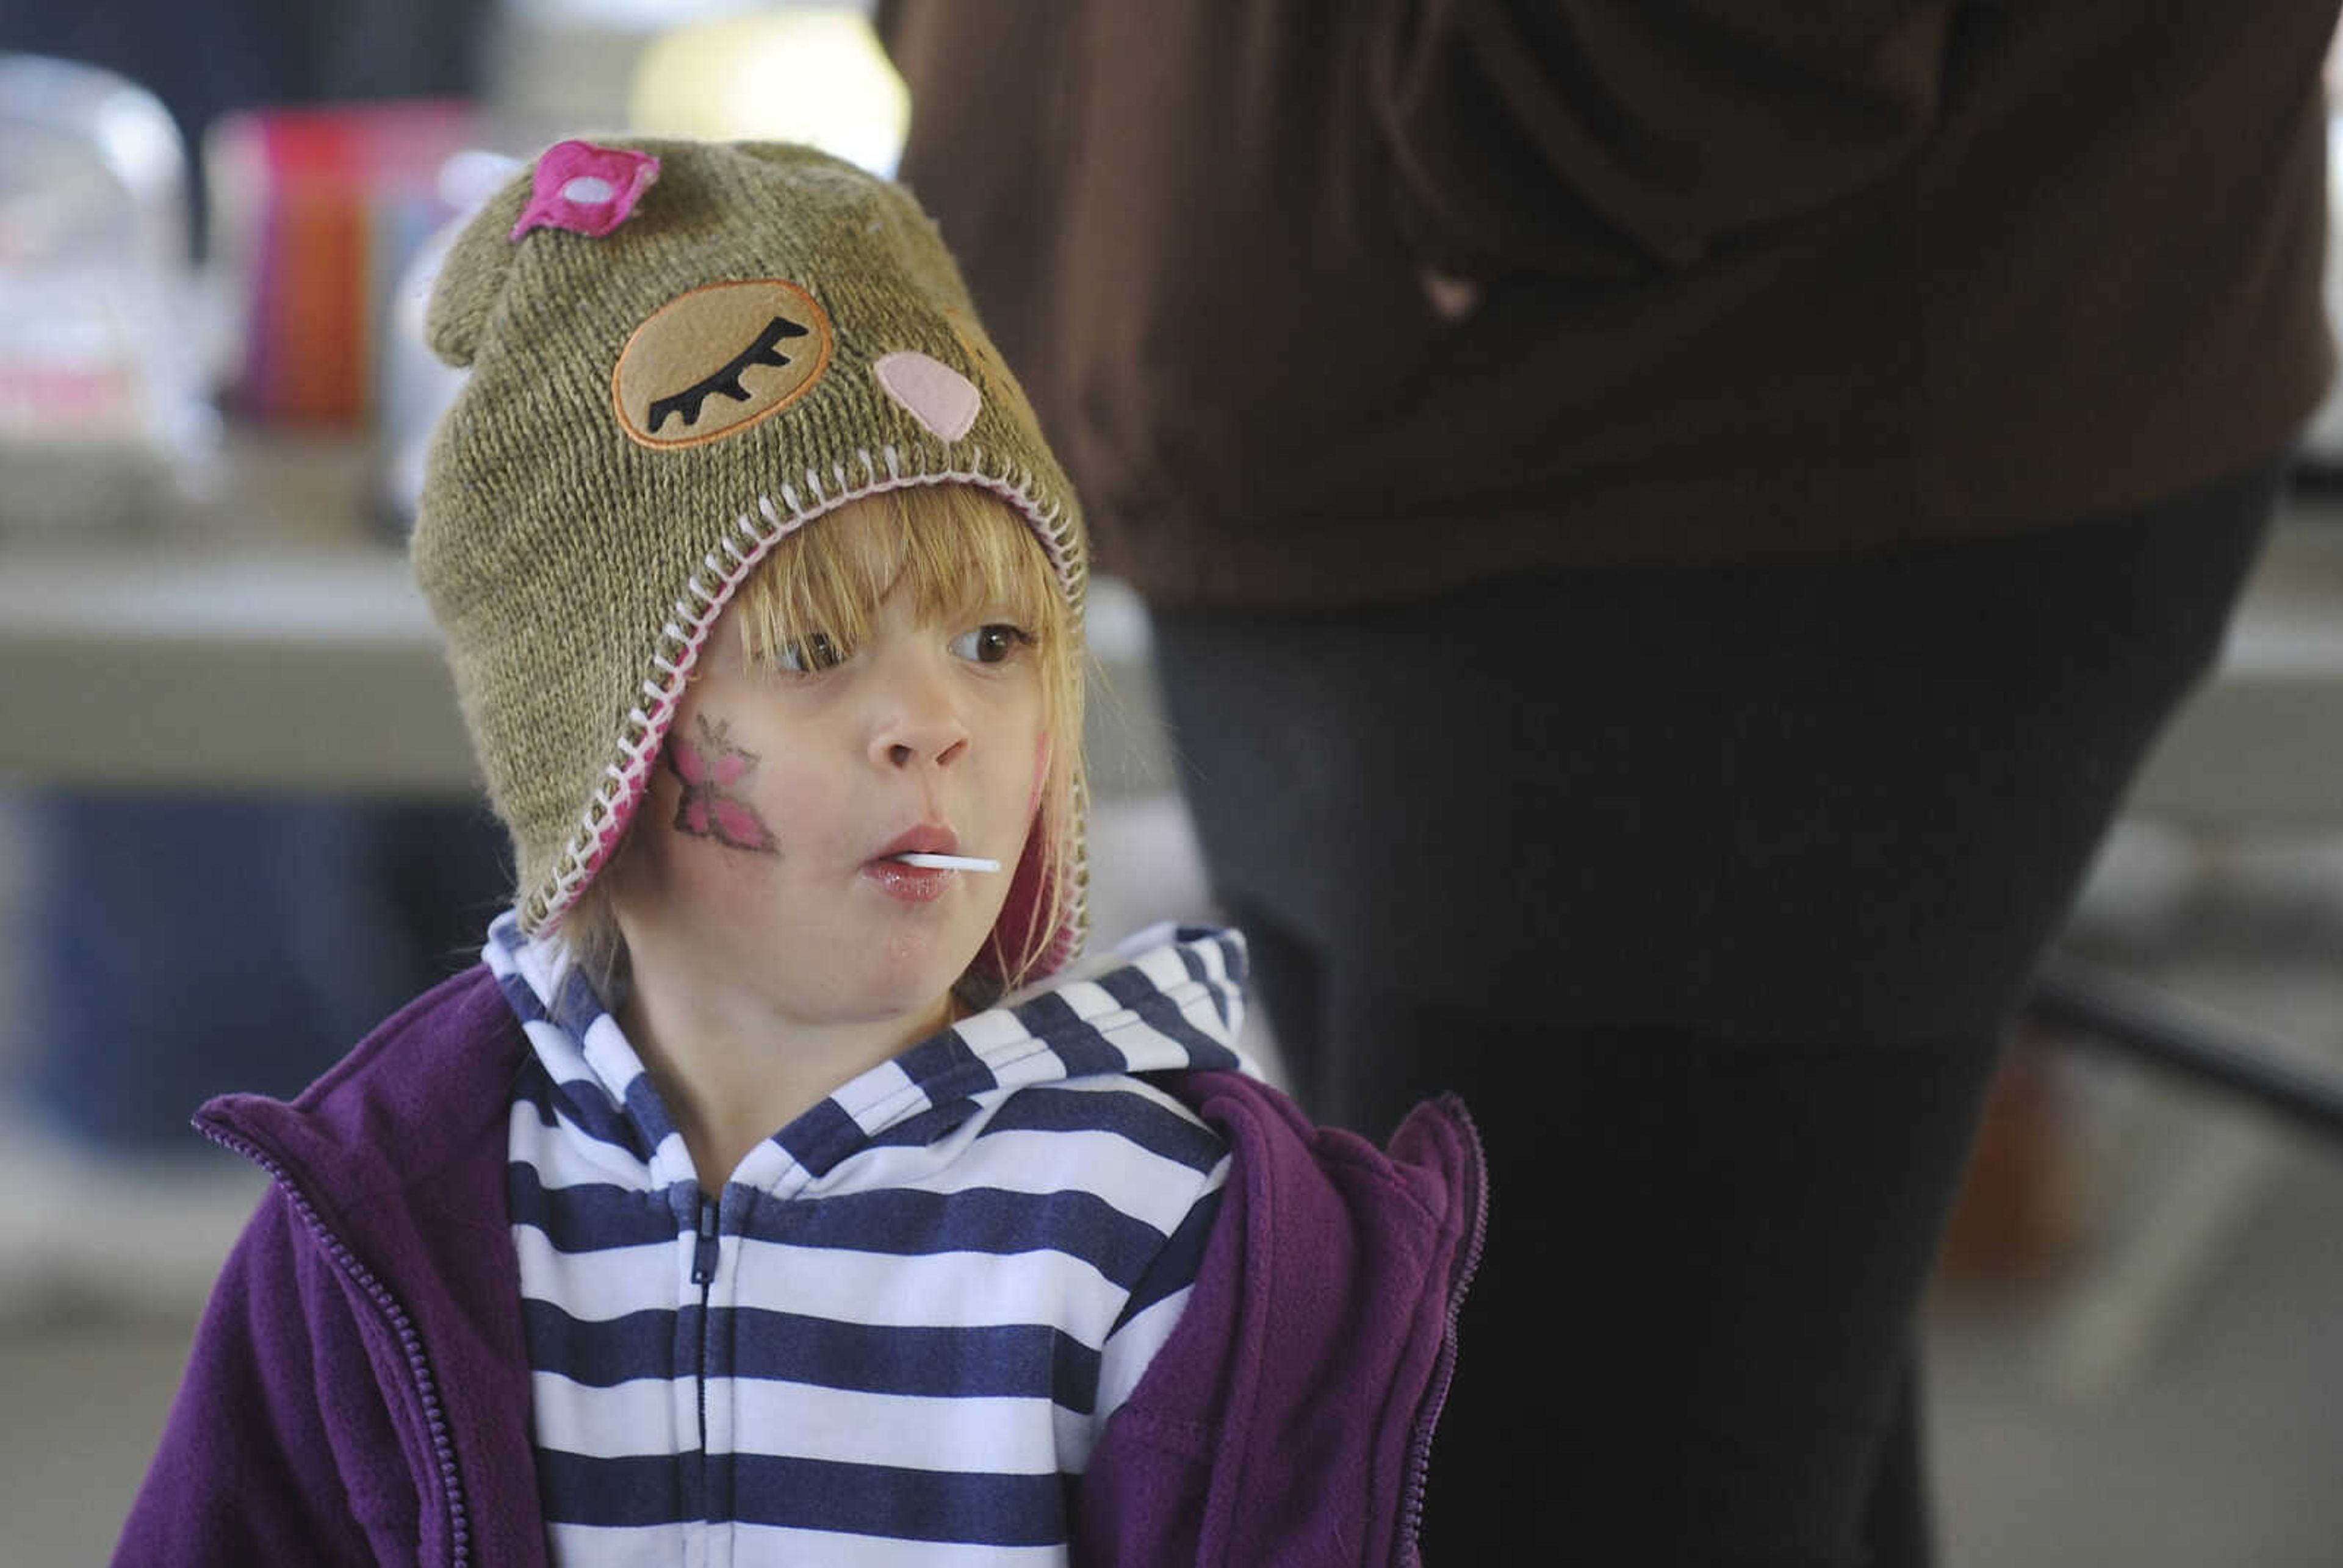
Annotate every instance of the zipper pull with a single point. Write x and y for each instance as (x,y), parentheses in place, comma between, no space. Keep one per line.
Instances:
(703,1261)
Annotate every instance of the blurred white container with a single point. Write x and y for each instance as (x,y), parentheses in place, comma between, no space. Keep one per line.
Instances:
(106,346)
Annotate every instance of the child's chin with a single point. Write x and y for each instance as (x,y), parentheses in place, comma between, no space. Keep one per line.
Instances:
(912,992)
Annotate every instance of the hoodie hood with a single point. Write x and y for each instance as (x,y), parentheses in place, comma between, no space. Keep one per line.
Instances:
(1168,999)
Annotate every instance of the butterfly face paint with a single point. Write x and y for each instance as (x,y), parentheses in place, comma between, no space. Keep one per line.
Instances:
(710,767)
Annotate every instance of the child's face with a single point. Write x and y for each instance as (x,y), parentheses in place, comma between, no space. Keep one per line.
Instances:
(757,861)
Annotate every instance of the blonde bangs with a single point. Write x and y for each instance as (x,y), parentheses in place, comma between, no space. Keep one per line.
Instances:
(958,551)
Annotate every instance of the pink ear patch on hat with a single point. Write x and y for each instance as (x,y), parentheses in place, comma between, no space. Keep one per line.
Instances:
(931,391)
(586,189)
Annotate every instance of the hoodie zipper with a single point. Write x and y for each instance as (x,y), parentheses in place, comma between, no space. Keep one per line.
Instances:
(703,1274)
(1419,1447)
(418,1365)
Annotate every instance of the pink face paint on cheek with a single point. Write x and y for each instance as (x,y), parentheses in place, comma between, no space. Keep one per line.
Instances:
(684,760)
(708,808)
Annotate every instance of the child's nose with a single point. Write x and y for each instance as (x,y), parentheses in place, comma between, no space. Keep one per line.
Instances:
(922,727)
(911,753)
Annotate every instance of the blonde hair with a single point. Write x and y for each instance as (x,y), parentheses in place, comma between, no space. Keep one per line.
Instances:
(958,551)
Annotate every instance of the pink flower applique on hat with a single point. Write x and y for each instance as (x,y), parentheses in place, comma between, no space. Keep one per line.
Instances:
(586,189)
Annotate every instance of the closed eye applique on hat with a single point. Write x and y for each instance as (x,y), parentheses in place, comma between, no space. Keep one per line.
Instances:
(586,189)
(726,381)
(719,360)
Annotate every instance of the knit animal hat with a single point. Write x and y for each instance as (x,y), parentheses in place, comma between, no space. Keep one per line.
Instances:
(680,353)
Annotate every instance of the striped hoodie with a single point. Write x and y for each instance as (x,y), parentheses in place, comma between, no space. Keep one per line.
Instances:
(897,1332)
(358,1390)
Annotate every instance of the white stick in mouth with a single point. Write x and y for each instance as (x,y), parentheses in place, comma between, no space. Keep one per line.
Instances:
(947,862)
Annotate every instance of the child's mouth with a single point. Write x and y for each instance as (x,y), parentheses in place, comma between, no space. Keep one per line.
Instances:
(920,864)
(909,884)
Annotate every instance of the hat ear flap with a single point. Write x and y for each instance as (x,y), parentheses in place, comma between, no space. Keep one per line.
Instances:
(472,277)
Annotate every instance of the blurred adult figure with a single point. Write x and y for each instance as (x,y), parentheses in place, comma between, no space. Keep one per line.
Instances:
(1669,529)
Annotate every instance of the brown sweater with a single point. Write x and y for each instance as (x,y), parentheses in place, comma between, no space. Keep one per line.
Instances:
(1761,278)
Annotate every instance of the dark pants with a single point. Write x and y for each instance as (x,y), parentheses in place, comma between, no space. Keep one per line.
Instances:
(1711,891)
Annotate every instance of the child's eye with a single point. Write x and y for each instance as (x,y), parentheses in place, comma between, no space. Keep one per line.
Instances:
(995,642)
(807,655)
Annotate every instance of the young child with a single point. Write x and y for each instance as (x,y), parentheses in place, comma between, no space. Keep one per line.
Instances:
(775,1192)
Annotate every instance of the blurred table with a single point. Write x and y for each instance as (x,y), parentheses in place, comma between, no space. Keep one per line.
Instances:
(257,638)
(261,639)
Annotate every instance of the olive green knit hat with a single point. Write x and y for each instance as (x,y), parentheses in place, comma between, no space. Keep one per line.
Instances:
(679,353)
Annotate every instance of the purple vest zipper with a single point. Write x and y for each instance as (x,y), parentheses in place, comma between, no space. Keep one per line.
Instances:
(418,1366)
(1419,1446)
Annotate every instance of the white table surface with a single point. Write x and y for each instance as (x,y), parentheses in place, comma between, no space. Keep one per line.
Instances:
(259,639)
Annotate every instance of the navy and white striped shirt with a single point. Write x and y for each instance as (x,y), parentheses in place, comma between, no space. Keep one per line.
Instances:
(899,1330)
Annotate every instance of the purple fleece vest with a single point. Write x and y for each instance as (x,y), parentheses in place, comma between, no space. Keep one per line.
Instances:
(358,1388)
